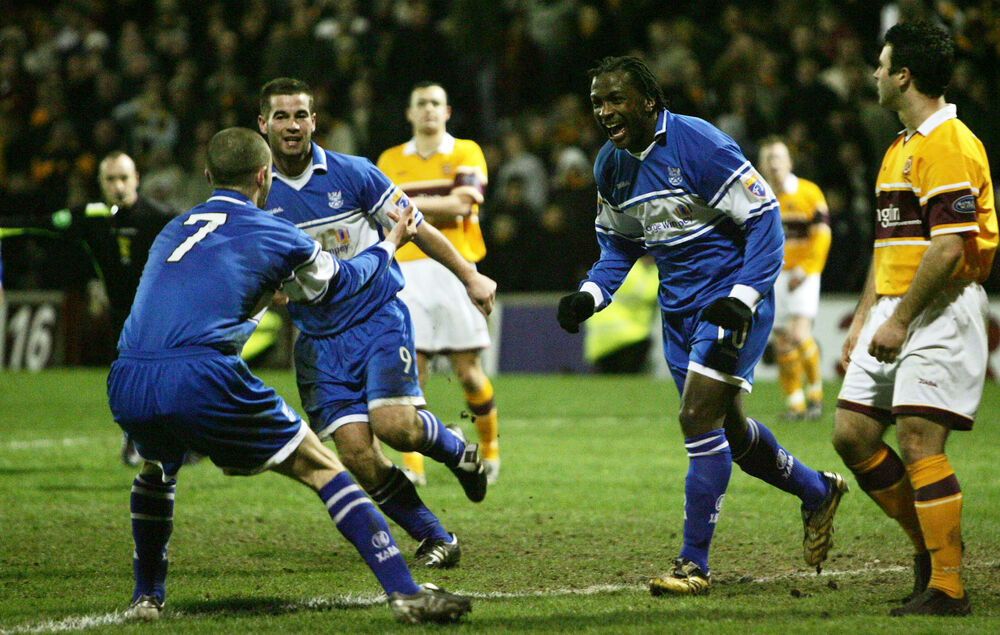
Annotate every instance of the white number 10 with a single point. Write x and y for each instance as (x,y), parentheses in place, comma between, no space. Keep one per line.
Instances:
(212,221)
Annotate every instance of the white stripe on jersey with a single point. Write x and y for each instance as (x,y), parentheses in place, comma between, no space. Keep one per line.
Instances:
(740,171)
(601,229)
(889,242)
(328,219)
(757,211)
(648,195)
(968,227)
(669,242)
(965,185)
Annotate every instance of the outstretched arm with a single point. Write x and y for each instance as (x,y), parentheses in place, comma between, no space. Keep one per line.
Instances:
(323,277)
(481,289)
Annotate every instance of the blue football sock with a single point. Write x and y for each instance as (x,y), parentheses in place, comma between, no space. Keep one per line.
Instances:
(355,516)
(760,455)
(152,509)
(398,499)
(709,467)
(440,443)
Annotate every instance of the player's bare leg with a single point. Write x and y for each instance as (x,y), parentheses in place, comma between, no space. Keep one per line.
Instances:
(395,495)
(316,466)
(408,429)
(881,474)
(361,454)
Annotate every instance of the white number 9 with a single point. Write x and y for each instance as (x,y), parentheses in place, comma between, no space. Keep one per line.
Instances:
(404,354)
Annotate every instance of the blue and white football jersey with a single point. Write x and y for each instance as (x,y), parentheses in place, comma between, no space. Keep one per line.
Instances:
(341,201)
(210,269)
(694,202)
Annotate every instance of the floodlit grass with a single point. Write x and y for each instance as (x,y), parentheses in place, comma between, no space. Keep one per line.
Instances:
(588,508)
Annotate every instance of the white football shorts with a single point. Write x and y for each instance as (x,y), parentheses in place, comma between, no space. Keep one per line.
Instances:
(941,367)
(802,302)
(444,318)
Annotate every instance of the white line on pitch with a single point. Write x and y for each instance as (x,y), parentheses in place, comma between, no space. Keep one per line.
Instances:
(363,600)
(35,444)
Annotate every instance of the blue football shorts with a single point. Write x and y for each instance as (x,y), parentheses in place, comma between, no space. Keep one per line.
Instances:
(691,344)
(372,364)
(198,399)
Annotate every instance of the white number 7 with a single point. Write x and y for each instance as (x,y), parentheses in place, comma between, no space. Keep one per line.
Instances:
(212,221)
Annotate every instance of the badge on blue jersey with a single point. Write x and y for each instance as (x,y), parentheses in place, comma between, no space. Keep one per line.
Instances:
(674,176)
(755,186)
(399,199)
(335,199)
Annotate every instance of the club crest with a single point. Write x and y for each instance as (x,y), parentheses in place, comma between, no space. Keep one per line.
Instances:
(674,176)
(335,199)
(755,186)
(399,199)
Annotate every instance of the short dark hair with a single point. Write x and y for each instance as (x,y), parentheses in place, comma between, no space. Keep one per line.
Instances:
(427,83)
(235,155)
(282,86)
(927,50)
(642,77)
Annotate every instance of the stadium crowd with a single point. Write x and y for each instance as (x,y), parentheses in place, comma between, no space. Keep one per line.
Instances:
(79,78)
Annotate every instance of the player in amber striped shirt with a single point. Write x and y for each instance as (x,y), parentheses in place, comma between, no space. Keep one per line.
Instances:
(805,220)
(445,178)
(916,351)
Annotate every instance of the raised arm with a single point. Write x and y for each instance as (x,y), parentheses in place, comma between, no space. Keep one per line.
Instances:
(324,278)
(481,289)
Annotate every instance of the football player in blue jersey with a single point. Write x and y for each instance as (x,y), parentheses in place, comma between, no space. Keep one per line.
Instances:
(355,361)
(179,384)
(679,189)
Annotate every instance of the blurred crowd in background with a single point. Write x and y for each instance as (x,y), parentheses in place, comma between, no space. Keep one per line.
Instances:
(156,78)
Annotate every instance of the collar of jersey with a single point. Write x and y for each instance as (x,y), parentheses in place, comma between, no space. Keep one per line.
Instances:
(791,183)
(230,196)
(318,165)
(948,111)
(445,147)
(661,131)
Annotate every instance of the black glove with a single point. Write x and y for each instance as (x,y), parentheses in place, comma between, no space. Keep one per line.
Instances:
(732,315)
(573,309)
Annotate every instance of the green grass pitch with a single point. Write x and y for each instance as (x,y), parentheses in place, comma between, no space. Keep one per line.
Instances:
(588,508)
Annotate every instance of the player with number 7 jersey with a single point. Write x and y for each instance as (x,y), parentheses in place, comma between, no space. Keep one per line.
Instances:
(211,273)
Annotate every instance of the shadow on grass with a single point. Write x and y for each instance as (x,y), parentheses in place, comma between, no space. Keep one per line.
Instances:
(263,605)
(75,487)
(46,469)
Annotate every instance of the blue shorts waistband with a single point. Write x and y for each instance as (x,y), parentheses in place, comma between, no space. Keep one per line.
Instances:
(167,353)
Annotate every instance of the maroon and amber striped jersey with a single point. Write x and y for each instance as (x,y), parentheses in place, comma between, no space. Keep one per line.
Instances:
(934,182)
(458,165)
(805,220)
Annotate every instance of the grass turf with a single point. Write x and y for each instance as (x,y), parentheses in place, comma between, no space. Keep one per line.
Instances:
(588,508)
